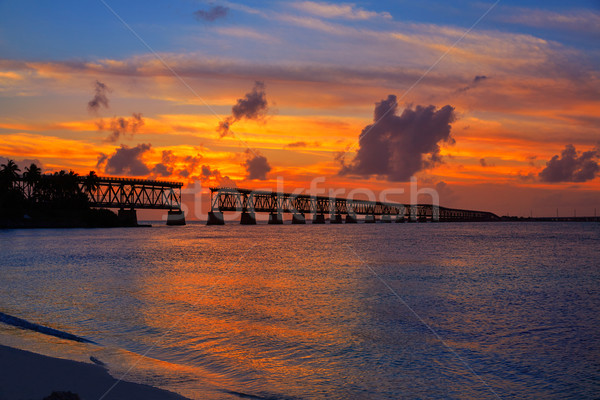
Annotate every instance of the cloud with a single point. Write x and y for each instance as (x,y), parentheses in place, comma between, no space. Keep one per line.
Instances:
(174,165)
(125,161)
(343,11)
(476,81)
(399,146)
(571,166)
(100,99)
(300,144)
(583,21)
(213,176)
(256,166)
(212,14)
(252,106)
(121,126)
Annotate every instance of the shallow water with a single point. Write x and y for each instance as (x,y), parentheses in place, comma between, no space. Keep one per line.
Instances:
(386,311)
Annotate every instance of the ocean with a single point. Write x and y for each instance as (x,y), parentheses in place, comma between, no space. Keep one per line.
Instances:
(366,311)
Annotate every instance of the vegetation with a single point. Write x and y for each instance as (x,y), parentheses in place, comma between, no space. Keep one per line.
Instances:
(60,197)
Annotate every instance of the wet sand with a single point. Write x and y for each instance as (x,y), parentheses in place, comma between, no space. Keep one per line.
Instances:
(26,375)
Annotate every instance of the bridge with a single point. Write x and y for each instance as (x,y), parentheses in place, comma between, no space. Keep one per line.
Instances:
(130,194)
(249,202)
(124,194)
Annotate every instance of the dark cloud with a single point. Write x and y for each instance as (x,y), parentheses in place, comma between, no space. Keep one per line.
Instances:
(399,146)
(213,176)
(257,166)
(571,166)
(165,167)
(172,164)
(253,105)
(125,161)
(121,126)
(476,81)
(212,14)
(297,144)
(100,99)
(302,144)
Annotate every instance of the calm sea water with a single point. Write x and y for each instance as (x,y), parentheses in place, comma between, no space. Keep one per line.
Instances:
(386,311)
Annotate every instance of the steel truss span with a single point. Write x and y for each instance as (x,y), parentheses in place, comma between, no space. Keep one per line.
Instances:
(135,193)
(249,201)
(122,193)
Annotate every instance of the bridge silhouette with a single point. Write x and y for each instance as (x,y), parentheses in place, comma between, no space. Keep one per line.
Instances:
(249,202)
(127,195)
(130,194)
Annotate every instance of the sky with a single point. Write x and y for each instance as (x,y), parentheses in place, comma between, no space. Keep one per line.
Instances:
(493,104)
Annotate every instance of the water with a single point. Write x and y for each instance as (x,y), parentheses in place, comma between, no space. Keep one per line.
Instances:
(384,311)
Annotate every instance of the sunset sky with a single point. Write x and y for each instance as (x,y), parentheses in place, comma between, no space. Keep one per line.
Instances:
(494,104)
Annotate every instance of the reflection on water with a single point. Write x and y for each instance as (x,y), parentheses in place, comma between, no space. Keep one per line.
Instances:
(294,311)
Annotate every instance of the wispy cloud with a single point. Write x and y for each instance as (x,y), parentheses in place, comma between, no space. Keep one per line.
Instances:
(347,11)
(245,33)
(586,22)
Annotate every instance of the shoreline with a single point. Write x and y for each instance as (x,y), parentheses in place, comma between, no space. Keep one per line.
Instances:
(27,375)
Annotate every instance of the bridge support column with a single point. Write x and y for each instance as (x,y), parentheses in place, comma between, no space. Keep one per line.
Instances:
(370,219)
(318,219)
(275,219)
(298,219)
(176,217)
(248,218)
(336,219)
(127,217)
(351,218)
(387,218)
(215,218)
(435,216)
(412,216)
(400,218)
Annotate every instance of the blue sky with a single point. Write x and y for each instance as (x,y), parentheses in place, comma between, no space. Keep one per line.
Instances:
(87,29)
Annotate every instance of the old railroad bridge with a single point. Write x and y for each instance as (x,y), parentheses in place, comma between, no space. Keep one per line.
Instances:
(248,202)
(127,195)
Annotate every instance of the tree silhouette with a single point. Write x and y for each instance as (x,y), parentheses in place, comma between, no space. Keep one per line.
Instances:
(91,182)
(32,176)
(11,196)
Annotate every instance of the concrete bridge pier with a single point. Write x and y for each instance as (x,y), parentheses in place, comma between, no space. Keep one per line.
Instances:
(435,216)
(400,219)
(336,219)
(351,218)
(127,217)
(412,216)
(318,219)
(275,219)
(370,219)
(387,218)
(215,218)
(298,218)
(248,218)
(176,217)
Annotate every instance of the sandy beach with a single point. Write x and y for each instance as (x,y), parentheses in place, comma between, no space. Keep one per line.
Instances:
(26,375)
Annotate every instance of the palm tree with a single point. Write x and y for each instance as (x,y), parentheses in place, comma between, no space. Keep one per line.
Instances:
(32,176)
(10,194)
(10,170)
(91,182)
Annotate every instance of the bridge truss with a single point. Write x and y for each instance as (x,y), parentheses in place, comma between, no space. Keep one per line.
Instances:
(248,201)
(134,193)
